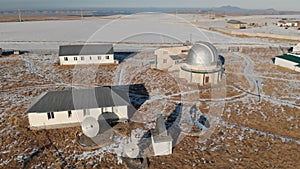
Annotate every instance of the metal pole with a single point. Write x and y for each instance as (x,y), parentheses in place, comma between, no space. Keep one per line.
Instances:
(19,13)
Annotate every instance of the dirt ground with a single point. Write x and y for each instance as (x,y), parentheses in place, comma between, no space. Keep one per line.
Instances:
(253,131)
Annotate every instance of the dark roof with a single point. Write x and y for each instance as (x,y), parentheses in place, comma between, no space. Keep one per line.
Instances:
(235,22)
(78,99)
(177,57)
(292,58)
(72,50)
(282,21)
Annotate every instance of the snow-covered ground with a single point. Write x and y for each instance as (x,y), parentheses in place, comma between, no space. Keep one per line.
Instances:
(139,28)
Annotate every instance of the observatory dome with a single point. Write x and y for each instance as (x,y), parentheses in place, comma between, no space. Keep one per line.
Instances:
(202,53)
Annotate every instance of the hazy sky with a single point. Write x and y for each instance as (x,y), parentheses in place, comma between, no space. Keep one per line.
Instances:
(53,4)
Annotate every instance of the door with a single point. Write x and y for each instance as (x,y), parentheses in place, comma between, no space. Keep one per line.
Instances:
(206,79)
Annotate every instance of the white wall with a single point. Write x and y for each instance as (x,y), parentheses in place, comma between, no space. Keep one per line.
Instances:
(40,120)
(88,59)
(198,78)
(162,148)
(285,63)
(161,56)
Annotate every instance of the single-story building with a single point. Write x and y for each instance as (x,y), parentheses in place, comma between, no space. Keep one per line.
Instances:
(235,24)
(66,108)
(297,48)
(161,141)
(17,52)
(287,23)
(169,58)
(86,54)
(290,60)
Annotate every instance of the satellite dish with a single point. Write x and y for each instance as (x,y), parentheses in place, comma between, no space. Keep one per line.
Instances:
(90,126)
(131,150)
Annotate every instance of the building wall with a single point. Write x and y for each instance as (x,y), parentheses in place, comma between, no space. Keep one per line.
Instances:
(213,78)
(163,59)
(164,62)
(296,48)
(285,63)
(236,26)
(162,148)
(288,24)
(62,119)
(86,59)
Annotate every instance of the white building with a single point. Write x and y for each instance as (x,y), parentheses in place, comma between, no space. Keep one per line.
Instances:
(86,54)
(161,141)
(235,24)
(290,60)
(296,49)
(57,109)
(169,58)
(287,23)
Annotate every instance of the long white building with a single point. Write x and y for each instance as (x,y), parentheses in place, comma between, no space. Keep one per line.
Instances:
(290,61)
(86,54)
(66,108)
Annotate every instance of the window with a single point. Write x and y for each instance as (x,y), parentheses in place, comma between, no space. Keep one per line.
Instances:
(69,113)
(66,58)
(90,57)
(86,112)
(99,57)
(75,58)
(107,57)
(164,60)
(50,115)
(82,58)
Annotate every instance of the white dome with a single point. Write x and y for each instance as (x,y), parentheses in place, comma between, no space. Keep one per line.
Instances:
(202,53)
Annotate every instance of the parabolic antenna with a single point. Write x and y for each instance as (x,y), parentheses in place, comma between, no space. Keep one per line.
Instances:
(131,150)
(90,126)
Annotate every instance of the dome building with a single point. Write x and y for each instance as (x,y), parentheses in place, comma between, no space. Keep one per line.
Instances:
(202,65)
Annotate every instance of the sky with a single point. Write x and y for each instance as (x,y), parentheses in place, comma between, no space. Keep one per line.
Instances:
(69,4)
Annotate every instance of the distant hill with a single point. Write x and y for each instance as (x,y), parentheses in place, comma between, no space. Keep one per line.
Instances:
(233,10)
(229,8)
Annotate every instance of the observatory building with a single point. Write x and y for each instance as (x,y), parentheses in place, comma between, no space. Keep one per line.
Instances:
(202,65)
(199,63)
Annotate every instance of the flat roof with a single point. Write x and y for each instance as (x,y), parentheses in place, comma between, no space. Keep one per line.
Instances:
(235,22)
(175,57)
(89,49)
(291,58)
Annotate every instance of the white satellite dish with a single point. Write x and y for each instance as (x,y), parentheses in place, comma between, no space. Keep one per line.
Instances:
(131,150)
(90,126)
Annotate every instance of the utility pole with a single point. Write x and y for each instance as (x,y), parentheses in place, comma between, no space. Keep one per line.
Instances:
(258,90)
(81,14)
(19,14)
